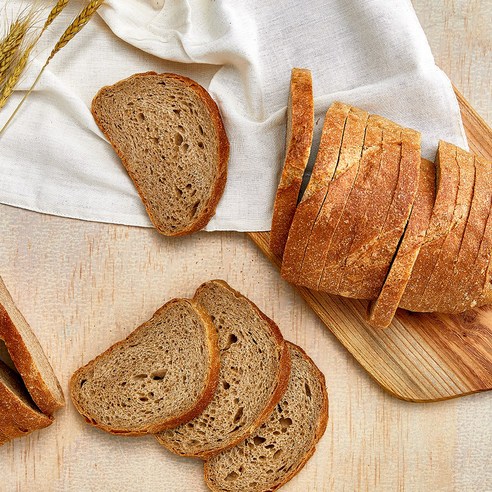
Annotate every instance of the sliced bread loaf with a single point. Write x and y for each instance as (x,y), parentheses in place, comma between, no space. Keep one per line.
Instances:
(28,356)
(334,204)
(254,373)
(163,374)
(300,125)
(169,134)
(469,272)
(447,182)
(382,311)
(449,254)
(19,415)
(317,188)
(284,443)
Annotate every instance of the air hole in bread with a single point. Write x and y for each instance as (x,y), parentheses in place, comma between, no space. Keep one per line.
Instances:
(285,423)
(308,390)
(226,385)
(200,129)
(231,476)
(277,455)
(177,111)
(140,117)
(200,144)
(140,376)
(238,415)
(258,440)
(195,208)
(178,139)
(159,375)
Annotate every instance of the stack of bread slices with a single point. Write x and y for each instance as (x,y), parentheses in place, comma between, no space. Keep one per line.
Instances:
(377,221)
(29,390)
(212,378)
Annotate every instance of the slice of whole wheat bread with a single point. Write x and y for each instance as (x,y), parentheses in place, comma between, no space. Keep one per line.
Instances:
(312,200)
(300,125)
(284,443)
(382,311)
(254,374)
(19,415)
(169,134)
(28,356)
(162,375)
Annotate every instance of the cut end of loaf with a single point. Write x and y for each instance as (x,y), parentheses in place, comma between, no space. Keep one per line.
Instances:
(169,134)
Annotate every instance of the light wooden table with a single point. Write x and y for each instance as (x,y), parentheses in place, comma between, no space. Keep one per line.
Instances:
(83,286)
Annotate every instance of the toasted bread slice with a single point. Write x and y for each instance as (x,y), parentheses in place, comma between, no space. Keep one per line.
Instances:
(254,373)
(300,125)
(162,375)
(447,173)
(334,204)
(382,311)
(284,443)
(169,134)
(19,416)
(312,201)
(28,356)
(449,254)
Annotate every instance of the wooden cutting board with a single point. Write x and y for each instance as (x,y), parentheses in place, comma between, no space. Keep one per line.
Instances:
(420,357)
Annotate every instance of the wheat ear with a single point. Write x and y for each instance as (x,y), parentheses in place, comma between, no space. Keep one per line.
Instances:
(9,46)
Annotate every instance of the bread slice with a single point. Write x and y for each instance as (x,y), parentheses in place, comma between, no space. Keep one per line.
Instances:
(449,254)
(312,201)
(440,226)
(364,211)
(382,311)
(19,416)
(254,373)
(28,356)
(169,134)
(335,200)
(282,445)
(162,375)
(300,125)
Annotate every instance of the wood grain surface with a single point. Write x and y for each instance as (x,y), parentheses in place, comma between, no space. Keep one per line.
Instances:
(82,286)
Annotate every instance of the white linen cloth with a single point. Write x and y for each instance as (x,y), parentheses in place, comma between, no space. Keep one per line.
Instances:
(370,53)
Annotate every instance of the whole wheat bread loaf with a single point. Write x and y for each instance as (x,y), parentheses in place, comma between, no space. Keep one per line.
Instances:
(284,443)
(300,125)
(169,134)
(254,373)
(28,356)
(163,374)
(19,415)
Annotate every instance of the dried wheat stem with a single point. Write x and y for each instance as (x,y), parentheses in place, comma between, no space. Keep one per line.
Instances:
(55,11)
(78,23)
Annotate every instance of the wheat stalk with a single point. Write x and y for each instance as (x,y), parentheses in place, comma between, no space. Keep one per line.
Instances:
(9,46)
(77,24)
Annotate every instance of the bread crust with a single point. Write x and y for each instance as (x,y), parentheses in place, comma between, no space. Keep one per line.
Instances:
(24,362)
(449,254)
(447,173)
(382,311)
(204,399)
(282,378)
(335,200)
(317,188)
(300,126)
(223,150)
(321,428)
(16,418)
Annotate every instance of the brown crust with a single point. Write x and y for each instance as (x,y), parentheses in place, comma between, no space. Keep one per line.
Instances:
(448,257)
(223,150)
(300,128)
(282,378)
(467,268)
(192,412)
(336,198)
(439,227)
(381,311)
(314,196)
(16,418)
(322,423)
(24,363)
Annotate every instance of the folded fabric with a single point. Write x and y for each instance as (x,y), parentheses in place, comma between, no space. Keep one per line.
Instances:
(371,53)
